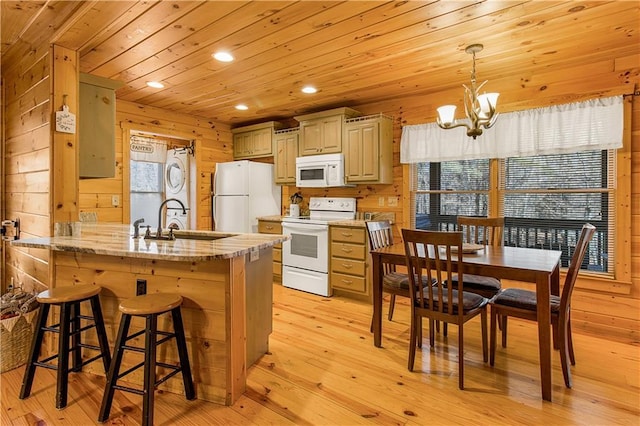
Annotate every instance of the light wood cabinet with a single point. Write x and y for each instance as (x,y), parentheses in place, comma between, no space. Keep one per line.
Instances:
(273,227)
(348,264)
(254,141)
(368,149)
(285,152)
(321,132)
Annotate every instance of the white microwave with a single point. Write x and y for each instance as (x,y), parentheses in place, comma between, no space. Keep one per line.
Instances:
(320,171)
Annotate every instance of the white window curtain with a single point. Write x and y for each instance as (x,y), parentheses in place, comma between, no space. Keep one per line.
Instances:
(147,149)
(558,129)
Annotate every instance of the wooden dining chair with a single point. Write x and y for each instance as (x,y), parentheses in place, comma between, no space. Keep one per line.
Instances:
(485,231)
(521,303)
(434,253)
(394,283)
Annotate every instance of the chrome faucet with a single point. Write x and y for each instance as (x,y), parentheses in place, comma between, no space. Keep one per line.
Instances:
(136,227)
(184,211)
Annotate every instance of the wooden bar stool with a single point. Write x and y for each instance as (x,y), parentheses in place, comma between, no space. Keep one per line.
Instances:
(68,327)
(148,306)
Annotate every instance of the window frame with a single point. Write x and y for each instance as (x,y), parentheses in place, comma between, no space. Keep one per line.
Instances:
(617,281)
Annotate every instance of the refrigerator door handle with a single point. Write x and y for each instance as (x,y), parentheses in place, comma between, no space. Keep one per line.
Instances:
(214,179)
(213,212)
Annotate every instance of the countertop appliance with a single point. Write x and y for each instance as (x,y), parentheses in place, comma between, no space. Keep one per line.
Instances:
(305,256)
(320,171)
(242,192)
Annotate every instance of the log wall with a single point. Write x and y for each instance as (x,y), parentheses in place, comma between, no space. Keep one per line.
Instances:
(28,160)
(601,306)
(212,145)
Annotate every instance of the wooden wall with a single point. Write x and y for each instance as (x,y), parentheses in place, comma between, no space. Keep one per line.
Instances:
(212,145)
(601,306)
(27,114)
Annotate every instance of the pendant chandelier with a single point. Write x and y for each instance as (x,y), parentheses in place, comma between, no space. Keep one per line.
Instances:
(480,109)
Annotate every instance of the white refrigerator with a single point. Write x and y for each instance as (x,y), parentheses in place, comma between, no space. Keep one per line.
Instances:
(242,192)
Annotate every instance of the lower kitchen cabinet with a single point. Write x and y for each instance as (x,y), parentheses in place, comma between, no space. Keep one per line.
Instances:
(348,269)
(273,227)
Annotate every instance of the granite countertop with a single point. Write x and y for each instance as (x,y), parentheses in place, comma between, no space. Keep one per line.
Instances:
(348,222)
(274,218)
(117,240)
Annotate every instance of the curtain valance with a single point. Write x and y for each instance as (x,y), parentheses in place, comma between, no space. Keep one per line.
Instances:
(579,126)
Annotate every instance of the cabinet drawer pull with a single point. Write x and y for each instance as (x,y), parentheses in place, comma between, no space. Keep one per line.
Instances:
(347,281)
(347,250)
(269,227)
(347,266)
(347,234)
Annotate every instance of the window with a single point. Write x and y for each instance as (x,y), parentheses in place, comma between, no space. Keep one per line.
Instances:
(449,189)
(147,190)
(545,200)
(548,198)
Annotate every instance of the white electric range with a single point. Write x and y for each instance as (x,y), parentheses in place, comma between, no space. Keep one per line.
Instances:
(305,256)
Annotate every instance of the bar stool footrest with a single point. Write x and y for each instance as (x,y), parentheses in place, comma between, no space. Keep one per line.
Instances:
(90,360)
(43,364)
(82,329)
(175,371)
(131,370)
(128,389)
(168,336)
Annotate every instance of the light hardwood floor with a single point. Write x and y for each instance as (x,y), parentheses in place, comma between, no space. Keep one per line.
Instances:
(323,369)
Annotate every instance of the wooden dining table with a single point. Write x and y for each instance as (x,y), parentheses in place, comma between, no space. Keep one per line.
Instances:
(538,266)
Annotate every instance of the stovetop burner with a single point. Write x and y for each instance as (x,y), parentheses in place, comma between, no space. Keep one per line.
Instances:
(323,210)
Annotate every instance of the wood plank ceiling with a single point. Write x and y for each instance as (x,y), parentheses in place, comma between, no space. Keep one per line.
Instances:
(354,52)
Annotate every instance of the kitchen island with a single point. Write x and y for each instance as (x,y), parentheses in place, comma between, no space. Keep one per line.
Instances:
(225,279)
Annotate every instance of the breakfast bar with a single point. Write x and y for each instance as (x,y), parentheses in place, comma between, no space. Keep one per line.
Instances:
(225,280)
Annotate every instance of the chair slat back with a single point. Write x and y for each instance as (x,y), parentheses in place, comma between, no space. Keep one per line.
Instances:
(482,230)
(381,235)
(434,253)
(574,266)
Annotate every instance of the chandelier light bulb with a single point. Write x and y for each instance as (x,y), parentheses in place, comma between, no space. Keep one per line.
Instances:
(488,102)
(447,113)
(480,109)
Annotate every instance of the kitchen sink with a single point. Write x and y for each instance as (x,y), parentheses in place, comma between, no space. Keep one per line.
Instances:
(204,237)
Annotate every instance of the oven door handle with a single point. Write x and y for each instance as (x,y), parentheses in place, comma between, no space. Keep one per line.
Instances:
(304,227)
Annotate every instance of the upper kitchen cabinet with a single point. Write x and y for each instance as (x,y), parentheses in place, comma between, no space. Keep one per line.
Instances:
(321,132)
(96,123)
(285,152)
(368,149)
(255,140)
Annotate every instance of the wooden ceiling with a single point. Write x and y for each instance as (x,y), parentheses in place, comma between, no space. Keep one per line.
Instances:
(354,52)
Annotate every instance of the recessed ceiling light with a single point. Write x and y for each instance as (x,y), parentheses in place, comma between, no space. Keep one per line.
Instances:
(309,89)
(223,56)
(155,84)
(242,107)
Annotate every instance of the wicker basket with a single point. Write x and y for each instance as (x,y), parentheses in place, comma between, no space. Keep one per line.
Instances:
(15,340)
